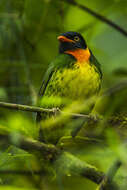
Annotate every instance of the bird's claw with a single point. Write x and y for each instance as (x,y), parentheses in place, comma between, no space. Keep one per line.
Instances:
(56,111)
(95,117)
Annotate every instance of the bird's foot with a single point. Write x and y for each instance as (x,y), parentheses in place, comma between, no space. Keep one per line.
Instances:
(56,111)
(95,117)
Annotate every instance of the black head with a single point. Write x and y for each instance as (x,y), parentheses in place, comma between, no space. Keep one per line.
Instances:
(71,41)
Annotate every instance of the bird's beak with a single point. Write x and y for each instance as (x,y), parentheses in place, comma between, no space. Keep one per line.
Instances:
(64,39)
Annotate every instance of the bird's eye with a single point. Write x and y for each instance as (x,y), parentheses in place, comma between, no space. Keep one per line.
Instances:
(76,38)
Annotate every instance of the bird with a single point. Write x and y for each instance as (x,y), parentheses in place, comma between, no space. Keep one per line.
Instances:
(72,78)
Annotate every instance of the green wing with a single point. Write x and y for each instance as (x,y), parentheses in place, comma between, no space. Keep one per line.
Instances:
(94,61)
(46,79)
(62,61)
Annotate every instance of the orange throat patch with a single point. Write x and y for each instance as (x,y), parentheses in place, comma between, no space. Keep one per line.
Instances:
(82,55)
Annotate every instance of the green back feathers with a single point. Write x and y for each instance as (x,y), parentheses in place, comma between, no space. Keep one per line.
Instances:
(61,61)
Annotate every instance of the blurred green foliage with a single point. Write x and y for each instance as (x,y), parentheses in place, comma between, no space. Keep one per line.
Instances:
(28,43)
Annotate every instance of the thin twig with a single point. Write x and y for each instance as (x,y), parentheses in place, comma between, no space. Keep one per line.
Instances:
(41,110)
(24,107)
(116,88)
(98,16)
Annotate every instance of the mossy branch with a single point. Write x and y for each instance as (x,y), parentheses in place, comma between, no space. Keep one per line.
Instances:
(77,166)
(69,165)
(22,172)
(66,160)
(64,163)
(28,144)
(107,182)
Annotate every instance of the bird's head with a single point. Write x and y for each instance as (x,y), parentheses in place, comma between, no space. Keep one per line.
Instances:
(73,43)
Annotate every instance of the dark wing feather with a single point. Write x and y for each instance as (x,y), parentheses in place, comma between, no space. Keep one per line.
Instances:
(94,61)
(46,80)
(44,84)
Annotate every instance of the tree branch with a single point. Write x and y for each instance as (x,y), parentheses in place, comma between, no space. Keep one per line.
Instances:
(116,88)
(98,16)
(69,165)
(41,110)
(64,162)
(50,151)
(107,182)
(29,144)
(25,108)
(22,172)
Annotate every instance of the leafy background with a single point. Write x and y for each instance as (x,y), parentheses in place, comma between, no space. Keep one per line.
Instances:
(28,43)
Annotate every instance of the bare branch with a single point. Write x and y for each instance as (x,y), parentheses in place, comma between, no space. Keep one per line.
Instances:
(116,88)
(24,107)
(41,110)
(98,16)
